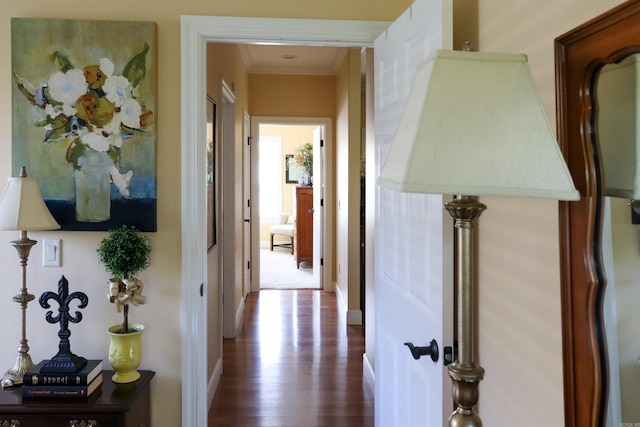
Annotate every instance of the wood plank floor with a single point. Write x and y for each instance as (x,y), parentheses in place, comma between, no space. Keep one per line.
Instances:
(294,364)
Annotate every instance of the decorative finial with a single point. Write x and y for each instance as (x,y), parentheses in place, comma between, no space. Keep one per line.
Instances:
(65,360)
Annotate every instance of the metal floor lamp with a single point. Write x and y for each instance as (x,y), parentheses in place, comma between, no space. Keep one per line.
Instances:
(473,125)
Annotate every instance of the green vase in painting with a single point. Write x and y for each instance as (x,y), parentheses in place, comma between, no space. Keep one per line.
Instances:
(93,187)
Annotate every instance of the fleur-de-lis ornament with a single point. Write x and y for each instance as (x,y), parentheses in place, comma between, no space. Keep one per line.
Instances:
(64,361)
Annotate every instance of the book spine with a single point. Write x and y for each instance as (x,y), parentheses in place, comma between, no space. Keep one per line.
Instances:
(57,391)
(39,380)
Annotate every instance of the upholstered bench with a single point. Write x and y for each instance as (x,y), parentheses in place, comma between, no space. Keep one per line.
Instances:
(283,227)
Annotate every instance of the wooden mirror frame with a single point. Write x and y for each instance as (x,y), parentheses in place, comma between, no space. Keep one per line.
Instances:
(580,54)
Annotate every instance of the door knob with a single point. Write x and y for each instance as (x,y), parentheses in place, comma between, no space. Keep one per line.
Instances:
(418,352)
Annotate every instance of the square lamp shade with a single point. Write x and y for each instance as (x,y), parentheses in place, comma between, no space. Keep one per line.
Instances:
(474,125)
(618,125)
(22,207)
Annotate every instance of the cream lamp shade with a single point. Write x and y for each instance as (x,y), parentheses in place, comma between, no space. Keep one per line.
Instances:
(22,207)
(474,125)
(618,123)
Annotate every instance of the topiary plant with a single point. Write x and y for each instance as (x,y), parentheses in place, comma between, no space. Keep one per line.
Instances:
(124,253)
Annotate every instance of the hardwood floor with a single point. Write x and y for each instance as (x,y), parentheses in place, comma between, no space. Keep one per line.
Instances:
(293,363)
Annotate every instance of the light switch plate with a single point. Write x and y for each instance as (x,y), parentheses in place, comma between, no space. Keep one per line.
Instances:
(51,253)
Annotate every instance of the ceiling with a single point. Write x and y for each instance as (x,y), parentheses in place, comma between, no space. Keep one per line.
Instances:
(285,59)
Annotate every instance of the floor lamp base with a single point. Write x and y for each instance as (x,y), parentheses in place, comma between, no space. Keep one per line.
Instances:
(15,375)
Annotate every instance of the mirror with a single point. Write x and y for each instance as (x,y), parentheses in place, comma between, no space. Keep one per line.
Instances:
(580,55)
(615,121)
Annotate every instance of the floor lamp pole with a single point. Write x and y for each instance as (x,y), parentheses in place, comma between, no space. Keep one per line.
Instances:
(465,373)
(23,363)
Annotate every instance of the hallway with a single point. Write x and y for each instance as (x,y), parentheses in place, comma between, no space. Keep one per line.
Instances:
(293,364)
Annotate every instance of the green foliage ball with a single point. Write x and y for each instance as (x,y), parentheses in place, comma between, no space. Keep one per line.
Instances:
(125,252)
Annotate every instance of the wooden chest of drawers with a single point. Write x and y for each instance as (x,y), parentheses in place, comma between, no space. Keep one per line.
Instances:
(117,405)
(304,225)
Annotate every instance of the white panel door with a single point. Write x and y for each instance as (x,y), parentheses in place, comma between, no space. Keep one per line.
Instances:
(413,248)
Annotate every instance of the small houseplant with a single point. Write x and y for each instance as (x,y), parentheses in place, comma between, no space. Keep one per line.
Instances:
(304,157)
(124,253)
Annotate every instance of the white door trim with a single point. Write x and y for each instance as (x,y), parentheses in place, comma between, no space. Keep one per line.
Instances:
(196,32)
(249,179)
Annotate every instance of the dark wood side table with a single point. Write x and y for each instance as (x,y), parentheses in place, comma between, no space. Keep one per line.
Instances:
(118,405)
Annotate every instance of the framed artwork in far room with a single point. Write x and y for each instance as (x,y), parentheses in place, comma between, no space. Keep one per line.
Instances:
(293,171)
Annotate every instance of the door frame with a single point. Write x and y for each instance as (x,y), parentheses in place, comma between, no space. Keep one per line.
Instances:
(250,177)
(195,33)
(325,176)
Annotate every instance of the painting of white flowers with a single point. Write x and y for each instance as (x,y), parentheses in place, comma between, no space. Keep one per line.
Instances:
(83,119)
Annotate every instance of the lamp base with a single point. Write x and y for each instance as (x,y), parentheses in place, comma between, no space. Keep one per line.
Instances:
(15,375)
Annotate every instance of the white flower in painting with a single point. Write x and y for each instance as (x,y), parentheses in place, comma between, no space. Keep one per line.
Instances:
(96,141)
(113,127)
(129,114)
(116,141)
(106,66)
(121,181)
(117,89)
(54,111)
(67,87)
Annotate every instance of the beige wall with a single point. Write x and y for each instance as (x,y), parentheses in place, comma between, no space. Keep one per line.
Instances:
(224,63)
(292,95)
(351,204)
(348,141)
(520,341)
(520,326)
(162,339)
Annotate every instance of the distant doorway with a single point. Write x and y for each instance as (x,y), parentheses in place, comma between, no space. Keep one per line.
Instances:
(278,138)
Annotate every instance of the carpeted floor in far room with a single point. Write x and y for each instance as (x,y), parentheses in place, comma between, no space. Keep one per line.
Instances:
(278,271)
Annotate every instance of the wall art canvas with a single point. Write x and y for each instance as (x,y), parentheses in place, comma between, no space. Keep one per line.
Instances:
(84,119)
(293,171)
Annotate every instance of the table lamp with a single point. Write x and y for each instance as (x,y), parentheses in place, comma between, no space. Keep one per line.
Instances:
(473,125)
(22,209)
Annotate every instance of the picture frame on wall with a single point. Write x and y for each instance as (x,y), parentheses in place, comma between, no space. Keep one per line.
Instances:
(83,119)
(293,171)
(211,173)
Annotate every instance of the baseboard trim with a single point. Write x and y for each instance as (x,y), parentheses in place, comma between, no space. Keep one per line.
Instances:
(239,316)
(213,382)
(351,317)
(342,307)
(367,369)
(354,317)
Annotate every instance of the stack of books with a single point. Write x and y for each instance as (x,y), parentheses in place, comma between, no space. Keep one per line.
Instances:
(80,384)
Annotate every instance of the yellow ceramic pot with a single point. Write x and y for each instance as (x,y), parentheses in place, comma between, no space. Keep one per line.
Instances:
(125,353)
